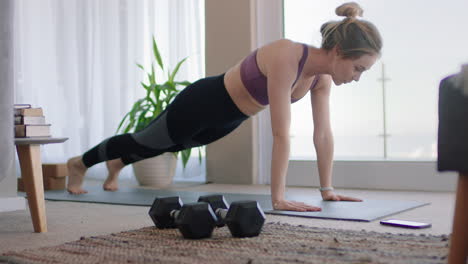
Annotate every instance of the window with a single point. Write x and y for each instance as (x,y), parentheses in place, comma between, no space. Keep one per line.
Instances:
(422,44)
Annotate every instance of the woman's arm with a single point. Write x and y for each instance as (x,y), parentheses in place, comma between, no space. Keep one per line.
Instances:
(323,138)
(281,73)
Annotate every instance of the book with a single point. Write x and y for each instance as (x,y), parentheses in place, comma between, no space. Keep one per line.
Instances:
(21,106)
(29,120)
(32,130)
(29,112)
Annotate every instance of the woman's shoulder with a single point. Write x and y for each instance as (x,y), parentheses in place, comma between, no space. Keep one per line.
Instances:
(283,44)
(284,51)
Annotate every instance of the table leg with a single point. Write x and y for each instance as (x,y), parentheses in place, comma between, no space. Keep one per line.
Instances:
(459,241)
(31,172)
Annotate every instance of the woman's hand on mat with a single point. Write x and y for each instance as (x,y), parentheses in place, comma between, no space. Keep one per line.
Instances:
(285,205)
(331,196)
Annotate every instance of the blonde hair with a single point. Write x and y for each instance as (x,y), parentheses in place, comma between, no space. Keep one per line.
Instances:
(353,37)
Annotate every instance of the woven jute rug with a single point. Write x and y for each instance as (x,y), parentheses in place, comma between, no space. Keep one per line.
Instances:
(278,243)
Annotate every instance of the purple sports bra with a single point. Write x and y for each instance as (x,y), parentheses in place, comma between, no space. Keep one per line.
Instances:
(256,83)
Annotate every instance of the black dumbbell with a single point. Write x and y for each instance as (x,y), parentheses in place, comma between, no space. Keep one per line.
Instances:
(194,220)
(243,218)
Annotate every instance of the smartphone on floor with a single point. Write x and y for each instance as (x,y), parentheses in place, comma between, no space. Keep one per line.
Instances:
(405,224)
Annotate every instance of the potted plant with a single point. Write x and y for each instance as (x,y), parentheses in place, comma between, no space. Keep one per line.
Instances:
(157,171)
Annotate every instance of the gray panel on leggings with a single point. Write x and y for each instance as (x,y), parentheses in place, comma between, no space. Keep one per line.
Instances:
(102,150)
(156,135)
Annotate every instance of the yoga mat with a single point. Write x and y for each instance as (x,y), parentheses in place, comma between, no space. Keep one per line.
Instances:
(366,211)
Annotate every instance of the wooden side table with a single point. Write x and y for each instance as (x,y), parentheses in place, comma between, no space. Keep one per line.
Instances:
(458,252)
(29,156)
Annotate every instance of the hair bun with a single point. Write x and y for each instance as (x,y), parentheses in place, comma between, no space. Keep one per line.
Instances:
(350,10)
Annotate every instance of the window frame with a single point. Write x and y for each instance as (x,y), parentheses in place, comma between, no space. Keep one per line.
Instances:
(375,174)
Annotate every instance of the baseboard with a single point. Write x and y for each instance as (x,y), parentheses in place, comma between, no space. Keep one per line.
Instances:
(383,175)
(8,204)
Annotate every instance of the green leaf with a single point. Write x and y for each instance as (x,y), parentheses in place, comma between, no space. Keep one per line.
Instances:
(122,122)
(199,155)
(145,86)
(184,83)
(141,67)
(185,156)
(170,97)
(130,116)
(142,122)
(157,93)
(152,76)
(169,86)
(173,74)
(157,55)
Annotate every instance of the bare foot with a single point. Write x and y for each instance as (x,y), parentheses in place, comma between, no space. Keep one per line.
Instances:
(76,173)
(114,167)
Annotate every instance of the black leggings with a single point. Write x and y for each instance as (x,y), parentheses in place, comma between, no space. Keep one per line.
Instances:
(200,114)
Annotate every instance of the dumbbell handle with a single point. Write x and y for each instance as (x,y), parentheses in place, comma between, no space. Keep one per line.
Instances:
(174,214)
(221,213)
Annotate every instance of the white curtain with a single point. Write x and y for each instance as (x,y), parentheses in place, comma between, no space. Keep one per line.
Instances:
(269,27)
(77,60)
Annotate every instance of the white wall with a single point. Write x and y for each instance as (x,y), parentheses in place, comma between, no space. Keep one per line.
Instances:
(228,40)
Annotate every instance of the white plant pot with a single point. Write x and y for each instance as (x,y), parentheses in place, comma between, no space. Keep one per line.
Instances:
(158,171)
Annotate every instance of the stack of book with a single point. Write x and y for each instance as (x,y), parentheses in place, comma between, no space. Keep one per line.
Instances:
(30,122)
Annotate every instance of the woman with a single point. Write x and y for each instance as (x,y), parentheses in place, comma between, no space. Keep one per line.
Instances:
(277,75)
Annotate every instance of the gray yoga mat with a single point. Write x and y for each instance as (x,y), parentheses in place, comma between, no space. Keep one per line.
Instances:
(367,211)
